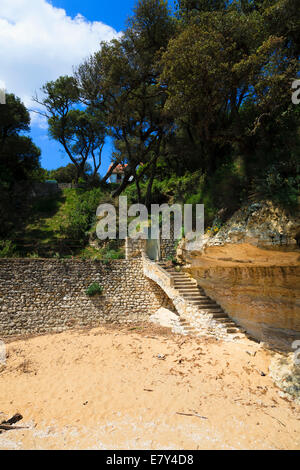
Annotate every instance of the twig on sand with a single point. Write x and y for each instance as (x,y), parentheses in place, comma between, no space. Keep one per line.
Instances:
(9,424)
(8,427)
(192,414)
(15,419)
(276,419)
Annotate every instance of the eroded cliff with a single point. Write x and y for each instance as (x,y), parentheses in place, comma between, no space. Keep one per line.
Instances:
(252,269)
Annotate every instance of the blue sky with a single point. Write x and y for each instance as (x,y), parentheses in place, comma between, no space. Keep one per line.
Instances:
(43,39)
(111,12)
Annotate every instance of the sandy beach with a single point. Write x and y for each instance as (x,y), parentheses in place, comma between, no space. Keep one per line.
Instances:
(142,387)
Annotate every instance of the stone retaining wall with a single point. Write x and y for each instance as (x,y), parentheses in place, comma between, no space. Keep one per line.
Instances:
(39,295)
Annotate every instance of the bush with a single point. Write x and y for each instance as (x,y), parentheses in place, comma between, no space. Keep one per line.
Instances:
(48,204)
(94,289)
(82,213)
(113,254)
(280,183)
(7,249)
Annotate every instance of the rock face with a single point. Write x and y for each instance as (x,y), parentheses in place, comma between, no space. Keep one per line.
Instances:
(263,225)
(252,269)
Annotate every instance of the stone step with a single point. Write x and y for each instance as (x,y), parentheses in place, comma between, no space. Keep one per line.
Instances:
(186,292)
(173,274)
(213,310)
(225,321)
(176,273)
(195,292)
(186,284)
(180,276)
(197,296)
(183,278)
(187,326)
(232,330)
(201,303)
(220,316)
(172,270)
(229,324)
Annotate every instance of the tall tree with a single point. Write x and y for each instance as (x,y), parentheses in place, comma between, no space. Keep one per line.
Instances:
(19,157)
(79,129)
(227,77)
(19,161)
(123,78)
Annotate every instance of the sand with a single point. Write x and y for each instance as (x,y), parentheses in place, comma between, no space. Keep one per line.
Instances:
(142,388)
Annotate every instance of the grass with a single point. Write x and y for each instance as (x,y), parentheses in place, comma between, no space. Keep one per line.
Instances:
(41,231)
(41,234)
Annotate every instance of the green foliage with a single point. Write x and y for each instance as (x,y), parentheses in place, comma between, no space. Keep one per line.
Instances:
(19,162)
(94,289)
(80,130)
(81,213)
(198,104)
(280,183)
(45,205)
(7,249)
(122,77)
(19,157)
(64,174)
(113,255)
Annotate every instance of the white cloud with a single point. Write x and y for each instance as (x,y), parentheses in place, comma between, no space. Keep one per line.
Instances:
(39,42)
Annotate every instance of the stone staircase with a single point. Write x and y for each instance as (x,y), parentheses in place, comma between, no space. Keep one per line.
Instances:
(202,307)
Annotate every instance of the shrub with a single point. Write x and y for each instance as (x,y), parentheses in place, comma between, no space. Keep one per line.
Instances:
(82,213)
(280,183)
(113,254)
(46,205)
(94,289)
(7,249)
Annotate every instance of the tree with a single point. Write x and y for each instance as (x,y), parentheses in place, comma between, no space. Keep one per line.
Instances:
(227,77)
(19,161)
(122,78)
(19,157)
(64,174)
(14,118)
(282,19)
(188,7)
(79,129)
(68,174)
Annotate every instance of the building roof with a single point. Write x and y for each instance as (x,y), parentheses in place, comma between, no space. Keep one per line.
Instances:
(119,169)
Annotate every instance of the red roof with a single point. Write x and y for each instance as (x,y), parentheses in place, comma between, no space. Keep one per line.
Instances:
(119,169)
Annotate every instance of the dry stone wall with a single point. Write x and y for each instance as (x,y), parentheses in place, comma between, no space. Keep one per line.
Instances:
(40,296)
